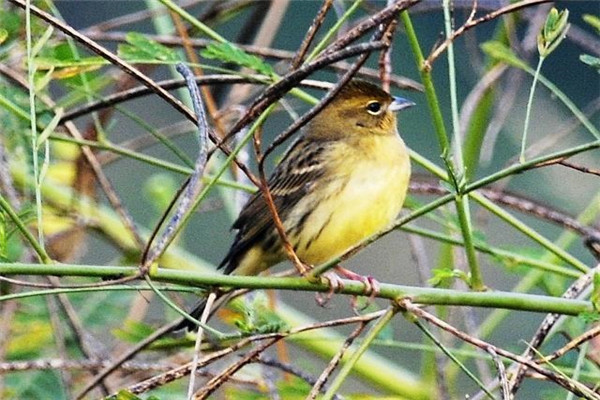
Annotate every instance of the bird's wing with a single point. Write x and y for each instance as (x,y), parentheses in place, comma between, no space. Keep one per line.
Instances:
(301,166)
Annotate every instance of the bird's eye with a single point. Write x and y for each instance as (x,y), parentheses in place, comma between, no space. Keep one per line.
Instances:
(374,107)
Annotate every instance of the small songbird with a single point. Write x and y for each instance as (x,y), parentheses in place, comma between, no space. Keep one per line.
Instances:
(342,181)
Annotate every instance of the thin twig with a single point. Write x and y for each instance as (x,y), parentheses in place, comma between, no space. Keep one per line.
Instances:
(184,370)
(585,170)
(547,324)
(199,335)
(472,22)
(310,34)
(290,369)
(578,341)
(334,362)
(126,356)
(505,391)
(213,384)
(570,385)
(63,364)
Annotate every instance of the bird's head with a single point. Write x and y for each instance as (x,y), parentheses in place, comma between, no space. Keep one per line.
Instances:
(360,108)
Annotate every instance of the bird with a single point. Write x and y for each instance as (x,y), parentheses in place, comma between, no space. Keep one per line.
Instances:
(343,180)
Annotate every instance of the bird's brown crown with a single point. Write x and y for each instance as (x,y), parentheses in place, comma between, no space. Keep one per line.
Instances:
(360,108)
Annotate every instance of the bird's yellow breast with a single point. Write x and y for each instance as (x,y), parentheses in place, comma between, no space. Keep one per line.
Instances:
(364,195)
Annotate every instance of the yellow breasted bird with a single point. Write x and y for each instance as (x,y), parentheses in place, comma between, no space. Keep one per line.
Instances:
(342,181)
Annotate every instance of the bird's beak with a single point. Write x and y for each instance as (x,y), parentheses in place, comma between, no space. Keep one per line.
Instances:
(400,103)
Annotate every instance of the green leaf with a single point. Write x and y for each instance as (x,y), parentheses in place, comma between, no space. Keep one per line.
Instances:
(443,276)
(595,296)
(592,61)
(44,63)
(139,47)
(49,129)
(160,189)
(133,331)
(592,20)
(230,53)
(590,317)
(257,317)
(10,23)
(127,395)
(41,42)
(501,52)
(3,35)
(553,32)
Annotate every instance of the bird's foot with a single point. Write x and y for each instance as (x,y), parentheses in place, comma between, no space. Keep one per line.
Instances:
(335,286)
(372,287)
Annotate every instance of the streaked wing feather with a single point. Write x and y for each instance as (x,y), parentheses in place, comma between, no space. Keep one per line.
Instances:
(292,178)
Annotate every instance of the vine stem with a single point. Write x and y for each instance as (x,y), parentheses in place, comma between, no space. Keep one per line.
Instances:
(528,112)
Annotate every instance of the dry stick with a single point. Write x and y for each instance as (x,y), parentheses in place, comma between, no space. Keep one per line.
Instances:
(203,319)
(63,364)
(385,57)
(286,367)
(572,386)
(335,52)
(182,371)
(194,183)
(473,99)
(134,17)
(579,168)
(271,21)
(319,385)
(592,333)
(268,197)
(382,17)
(107,187)
(211,104)
(472,22)
(505,391)
(515,202)
(221,378)
(310,34)
(127,356)
(168,84)
(547,324)
(400,81)
(83,339)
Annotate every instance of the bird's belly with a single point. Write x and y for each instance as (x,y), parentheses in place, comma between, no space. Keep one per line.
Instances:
(356,207)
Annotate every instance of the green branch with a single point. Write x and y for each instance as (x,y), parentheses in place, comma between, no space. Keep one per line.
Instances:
(420,295)
(37,247)
(456,178)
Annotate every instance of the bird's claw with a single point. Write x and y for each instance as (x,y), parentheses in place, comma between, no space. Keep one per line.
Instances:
(372,288)
(335,286)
